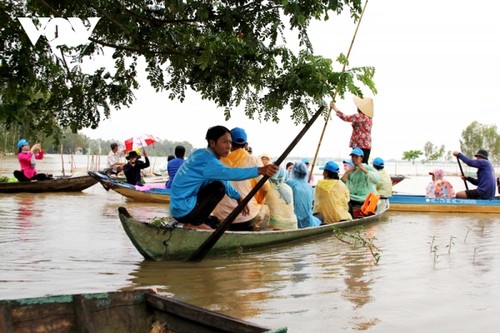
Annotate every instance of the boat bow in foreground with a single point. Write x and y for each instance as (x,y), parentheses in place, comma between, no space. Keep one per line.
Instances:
(111,312)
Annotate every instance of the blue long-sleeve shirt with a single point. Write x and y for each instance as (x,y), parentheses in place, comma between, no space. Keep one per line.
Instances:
(172,168)
(485,180)
(200,169)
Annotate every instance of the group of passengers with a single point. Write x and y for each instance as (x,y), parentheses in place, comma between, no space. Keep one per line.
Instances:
(214,181)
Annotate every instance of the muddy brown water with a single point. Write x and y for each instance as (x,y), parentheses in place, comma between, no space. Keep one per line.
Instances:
(437,272)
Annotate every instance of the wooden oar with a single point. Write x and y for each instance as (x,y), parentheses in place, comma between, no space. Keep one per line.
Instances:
(204,248)
(463,175)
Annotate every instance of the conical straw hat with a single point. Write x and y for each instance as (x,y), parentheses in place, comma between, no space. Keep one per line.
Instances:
(365,105)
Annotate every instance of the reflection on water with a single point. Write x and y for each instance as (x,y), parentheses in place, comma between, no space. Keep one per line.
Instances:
(437,272)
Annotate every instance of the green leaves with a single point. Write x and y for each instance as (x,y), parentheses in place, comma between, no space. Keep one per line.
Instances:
(232,53)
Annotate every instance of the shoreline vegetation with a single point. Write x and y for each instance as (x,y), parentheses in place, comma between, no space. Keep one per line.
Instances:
(77,163)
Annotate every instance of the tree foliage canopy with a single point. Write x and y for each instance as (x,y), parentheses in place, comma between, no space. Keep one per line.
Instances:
(231,52)
(411,155)
(432,152)
(479,136)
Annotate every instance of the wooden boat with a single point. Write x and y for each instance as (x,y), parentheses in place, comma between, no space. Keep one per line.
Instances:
(419,203)
(127,311)
(170,241)
(129,191)
(57,184)
(395,179)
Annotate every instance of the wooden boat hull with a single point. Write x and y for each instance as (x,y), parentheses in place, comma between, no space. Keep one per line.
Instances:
(166,243)
(58,184)
(397,179)
(141,196)
(129,191)
(128,311)
(419,203)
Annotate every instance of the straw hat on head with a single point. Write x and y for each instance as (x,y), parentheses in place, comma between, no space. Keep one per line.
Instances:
(364,105)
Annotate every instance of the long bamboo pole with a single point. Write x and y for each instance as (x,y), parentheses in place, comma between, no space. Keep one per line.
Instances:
(327,118)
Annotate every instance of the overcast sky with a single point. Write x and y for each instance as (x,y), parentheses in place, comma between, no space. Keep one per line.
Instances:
(437,71)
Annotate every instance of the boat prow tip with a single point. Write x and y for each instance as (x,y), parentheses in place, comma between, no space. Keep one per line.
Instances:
(123,211)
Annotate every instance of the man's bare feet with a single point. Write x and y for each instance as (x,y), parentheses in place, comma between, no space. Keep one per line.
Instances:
(199,227)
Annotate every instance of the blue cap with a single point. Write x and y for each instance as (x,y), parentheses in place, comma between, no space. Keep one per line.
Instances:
(22,142)
(305,160)
(330,166)
(378,162)
(239,136)
(348,162)
(357,152)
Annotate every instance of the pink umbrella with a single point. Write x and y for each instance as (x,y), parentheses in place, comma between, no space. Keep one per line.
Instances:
(140,141)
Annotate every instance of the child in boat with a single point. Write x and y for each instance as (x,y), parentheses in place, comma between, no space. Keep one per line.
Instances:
(439,187)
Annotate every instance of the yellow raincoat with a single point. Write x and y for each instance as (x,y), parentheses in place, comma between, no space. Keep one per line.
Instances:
(331,199)
(240,158)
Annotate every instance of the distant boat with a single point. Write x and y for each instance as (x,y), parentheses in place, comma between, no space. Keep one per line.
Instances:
(56,184)
(170,241)
(159,195)
(419,203)
(397,179)
(123,311)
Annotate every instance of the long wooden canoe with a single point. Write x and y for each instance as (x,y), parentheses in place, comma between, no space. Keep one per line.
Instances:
(57,184)
(110,312)
(153,195)
(159,195)
(172,242)
(419,203)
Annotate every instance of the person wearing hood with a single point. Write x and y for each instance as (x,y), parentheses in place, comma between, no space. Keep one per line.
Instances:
(303,195)
(361,136)
(27,159)
(331,196)
(439,187)
(280,202)
(485,180)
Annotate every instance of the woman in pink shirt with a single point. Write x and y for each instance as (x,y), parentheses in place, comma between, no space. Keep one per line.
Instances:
(27,157)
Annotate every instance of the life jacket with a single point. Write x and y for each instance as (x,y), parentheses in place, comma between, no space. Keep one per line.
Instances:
(370,205)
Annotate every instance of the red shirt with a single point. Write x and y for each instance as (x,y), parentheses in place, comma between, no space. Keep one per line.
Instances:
(361,136)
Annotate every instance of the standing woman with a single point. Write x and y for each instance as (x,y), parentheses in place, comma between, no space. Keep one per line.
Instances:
(362,122)
(27,159)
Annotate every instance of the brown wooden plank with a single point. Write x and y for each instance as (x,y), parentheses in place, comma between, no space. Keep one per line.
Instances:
(202,316)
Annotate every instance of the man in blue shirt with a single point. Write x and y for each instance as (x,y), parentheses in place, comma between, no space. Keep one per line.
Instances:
(202,180)
(485,180)
(175,164)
